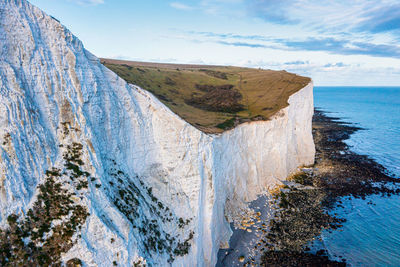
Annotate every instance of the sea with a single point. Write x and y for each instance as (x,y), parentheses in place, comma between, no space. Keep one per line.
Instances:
(371,234)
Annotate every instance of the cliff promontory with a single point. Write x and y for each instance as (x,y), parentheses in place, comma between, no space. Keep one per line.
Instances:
(97,171)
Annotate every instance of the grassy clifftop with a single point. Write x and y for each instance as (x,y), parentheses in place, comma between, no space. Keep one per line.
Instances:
(212,98)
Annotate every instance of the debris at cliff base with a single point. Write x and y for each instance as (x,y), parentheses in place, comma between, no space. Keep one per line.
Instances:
(305,203)
(301,219)
(302,206)
(249,227)
(296,216)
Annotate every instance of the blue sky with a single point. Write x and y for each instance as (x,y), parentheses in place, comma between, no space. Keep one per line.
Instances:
(342,42)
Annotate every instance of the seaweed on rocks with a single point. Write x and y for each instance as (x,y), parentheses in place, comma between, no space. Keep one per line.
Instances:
(293,258)
(305,203)
(301,220)
(340,171)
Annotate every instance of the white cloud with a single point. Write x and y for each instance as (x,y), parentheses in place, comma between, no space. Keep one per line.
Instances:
(223,7)
(365,16)
(88,2)
(334,73)
(180,6)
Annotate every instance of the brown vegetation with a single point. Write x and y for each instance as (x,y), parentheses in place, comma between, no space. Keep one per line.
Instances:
(217,98)
(211,98)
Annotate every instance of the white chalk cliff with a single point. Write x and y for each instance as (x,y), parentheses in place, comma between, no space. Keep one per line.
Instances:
(156,189)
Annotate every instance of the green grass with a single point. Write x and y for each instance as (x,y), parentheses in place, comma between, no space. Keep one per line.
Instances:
(228,124)
(212,97)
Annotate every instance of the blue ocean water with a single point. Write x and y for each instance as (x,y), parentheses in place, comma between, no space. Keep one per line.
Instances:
(371,234)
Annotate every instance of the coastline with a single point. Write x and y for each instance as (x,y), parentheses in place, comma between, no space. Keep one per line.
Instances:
(303,205)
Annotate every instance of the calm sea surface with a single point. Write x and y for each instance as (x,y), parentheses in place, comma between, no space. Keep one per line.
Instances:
(371,235)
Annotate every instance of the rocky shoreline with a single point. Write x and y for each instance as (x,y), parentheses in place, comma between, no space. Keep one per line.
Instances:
(340,171)
(303,204)
(337,172)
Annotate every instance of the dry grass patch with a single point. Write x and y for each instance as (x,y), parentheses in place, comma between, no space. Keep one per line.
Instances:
(213,98)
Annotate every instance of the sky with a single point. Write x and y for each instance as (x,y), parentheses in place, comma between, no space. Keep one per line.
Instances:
(335,42)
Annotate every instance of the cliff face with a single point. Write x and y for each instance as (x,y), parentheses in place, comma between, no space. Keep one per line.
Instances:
(141,183)
(249,160)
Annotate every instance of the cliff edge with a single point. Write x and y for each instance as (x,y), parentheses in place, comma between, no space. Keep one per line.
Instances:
(213,99)
(96,171)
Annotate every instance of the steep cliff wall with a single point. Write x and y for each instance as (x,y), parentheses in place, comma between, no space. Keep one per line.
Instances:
(151,186)
(257,156)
